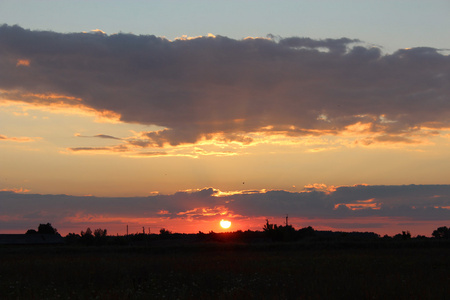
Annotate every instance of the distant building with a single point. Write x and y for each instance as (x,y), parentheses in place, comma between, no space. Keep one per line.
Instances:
(31,239)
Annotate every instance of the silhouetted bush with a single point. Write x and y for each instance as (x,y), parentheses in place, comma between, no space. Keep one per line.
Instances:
(47,229)
(405,235)
(100,236)
(279,233)
(306,232)
(165,234)
(99,233)
(72,238)
(87,237)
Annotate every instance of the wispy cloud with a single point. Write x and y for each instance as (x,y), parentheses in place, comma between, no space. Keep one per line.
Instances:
(214,86)
(102,136)
(15,190)
(119,148)
(16,139)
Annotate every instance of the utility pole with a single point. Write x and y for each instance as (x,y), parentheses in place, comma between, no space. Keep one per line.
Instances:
(286,220)
(143,229)
(127,229)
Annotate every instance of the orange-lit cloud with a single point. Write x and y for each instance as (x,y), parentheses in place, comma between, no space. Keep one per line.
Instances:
(15,190)
(23,62)
(360,204)
(134,147)
(57,104)
(16,139)
(52,97)
(98,31)
(320,187)
(205,212)
(187,38)
(219,193)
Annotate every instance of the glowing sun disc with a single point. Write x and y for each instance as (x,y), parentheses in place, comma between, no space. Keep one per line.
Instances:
(225,224)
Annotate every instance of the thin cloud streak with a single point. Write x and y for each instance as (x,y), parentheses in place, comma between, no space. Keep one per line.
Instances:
(102,136)
(16,139)
(202,88)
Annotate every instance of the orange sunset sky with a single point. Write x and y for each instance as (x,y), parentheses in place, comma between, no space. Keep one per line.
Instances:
(179,114)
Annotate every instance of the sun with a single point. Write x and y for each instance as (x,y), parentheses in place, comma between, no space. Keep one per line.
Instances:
(225,224)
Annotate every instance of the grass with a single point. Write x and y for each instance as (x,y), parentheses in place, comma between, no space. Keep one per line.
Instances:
(223,272)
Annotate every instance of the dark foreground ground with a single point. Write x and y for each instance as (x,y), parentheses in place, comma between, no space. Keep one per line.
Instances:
(224,271)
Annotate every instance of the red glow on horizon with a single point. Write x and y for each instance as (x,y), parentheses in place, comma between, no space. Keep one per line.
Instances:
(118,226)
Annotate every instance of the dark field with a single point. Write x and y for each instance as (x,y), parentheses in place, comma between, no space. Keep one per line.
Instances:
(224,271)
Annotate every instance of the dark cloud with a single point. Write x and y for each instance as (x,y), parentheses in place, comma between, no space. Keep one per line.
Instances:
(102,136)
(412,203)
(204,87)
(105,136)
(389,139)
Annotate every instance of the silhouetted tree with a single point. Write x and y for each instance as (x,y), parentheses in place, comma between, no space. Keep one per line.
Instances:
(87,237)
(99,233)
(288,232)
(405,235)
(100,236)
(164,233)
(72,238)
(31,231)
(306,232)
(47,229)
(88,232)
(271,231)
(442,233)
(269,227)
(279,233)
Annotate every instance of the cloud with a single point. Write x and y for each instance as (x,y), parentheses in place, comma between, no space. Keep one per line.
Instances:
(209,87)
(102,136)
(119,148)
(23,62)
(97,31)
(154,153)
(16,139)
(338,46)
(375,204)
(105,136)
(15,190)
(76,149)
(389,139)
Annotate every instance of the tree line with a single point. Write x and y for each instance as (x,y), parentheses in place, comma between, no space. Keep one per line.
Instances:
(270,232)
